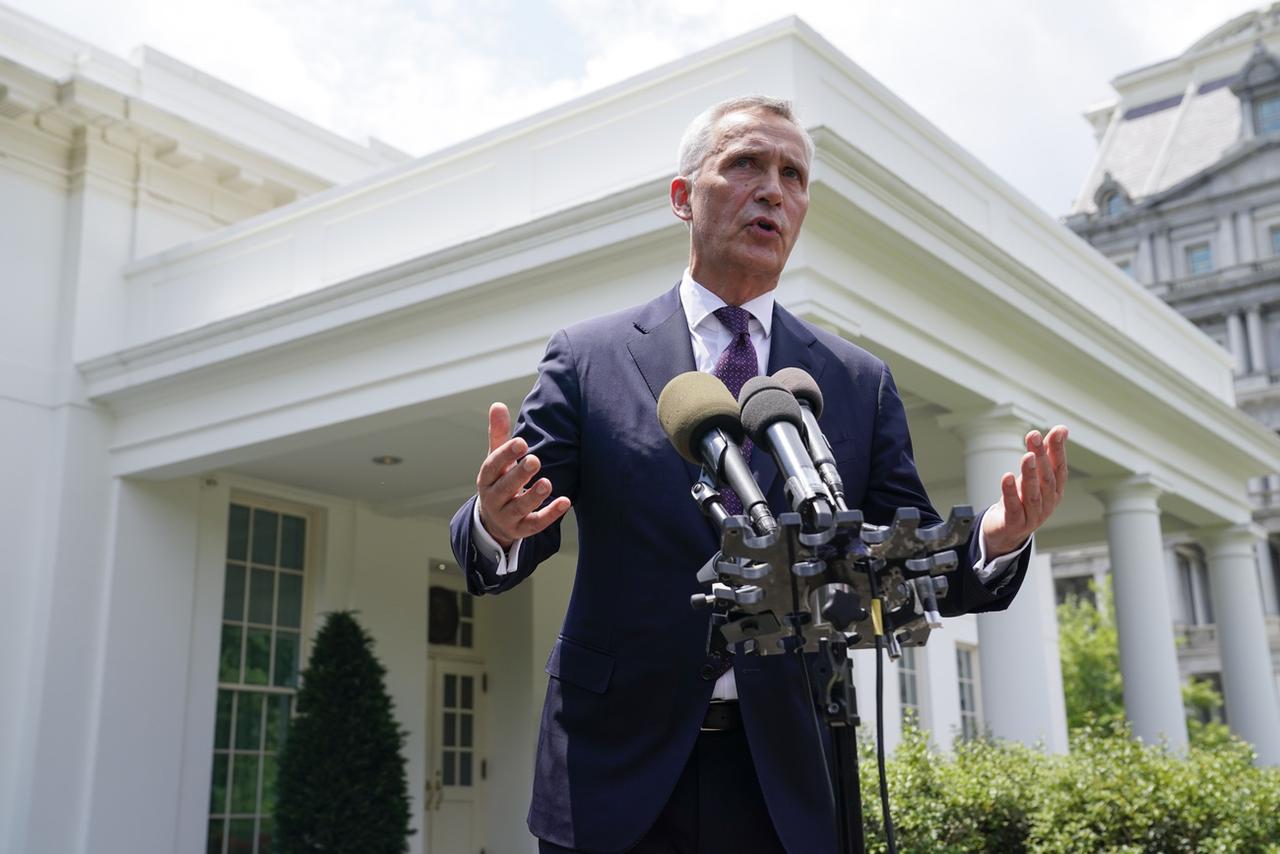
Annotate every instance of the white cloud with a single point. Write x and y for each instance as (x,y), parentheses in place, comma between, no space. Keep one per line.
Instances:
(1007,79)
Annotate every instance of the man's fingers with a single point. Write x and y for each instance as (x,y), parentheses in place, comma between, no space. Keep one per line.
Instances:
(536,521)
(499,425)
(499,463)
(1048,477)
(1029,485)
(517,477)
(528,501)
(1057,442)
(1013,513)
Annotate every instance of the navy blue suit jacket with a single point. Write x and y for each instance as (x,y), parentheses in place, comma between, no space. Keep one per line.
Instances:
(628,687)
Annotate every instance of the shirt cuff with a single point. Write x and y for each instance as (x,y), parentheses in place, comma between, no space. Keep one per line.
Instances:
(991,573)
(488,546)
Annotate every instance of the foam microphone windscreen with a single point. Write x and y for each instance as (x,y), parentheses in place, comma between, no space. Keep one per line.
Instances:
(764,401)
(804,387)
(690,405)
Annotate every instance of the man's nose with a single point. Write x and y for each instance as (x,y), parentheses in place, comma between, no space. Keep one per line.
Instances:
(770,188)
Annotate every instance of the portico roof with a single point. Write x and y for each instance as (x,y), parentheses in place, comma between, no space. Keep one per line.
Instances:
(397,306)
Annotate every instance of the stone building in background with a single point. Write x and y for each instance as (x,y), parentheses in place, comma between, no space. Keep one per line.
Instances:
(1184,196)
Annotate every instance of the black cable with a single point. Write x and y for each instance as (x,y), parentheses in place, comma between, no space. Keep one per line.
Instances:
(884,779)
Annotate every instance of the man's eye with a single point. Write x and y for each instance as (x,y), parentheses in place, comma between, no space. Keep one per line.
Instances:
(742,161)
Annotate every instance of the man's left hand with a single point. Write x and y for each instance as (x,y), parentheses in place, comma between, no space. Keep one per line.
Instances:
(1029,499)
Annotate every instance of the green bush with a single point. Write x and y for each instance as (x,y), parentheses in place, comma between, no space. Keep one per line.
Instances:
(1089,650)
(1111,793)
(342,773)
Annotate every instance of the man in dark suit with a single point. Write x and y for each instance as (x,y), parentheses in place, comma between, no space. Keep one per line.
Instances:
(647,744)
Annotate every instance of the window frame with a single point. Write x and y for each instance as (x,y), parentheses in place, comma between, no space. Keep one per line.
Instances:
(970,720)
(311,517)
(1190,249)
(911,673)
(1268,102)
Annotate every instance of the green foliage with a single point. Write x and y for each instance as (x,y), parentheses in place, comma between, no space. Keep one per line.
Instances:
(1111,793)
(1090,653)
(342,773)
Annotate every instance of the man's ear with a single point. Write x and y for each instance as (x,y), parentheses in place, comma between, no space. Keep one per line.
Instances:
(680,204)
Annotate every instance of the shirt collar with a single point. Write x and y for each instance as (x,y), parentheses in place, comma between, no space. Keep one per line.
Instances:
(699,303)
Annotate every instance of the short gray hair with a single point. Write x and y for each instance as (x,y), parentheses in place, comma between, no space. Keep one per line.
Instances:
(695,143)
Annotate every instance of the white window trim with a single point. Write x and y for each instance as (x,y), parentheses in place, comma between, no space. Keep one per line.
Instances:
(976,667)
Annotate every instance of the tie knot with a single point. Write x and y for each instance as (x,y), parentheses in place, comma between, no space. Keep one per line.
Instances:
(734,318)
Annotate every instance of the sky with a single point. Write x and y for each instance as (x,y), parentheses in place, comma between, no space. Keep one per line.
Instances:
(1006,79)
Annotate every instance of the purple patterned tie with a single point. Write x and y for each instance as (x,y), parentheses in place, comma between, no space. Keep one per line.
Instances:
(736,365)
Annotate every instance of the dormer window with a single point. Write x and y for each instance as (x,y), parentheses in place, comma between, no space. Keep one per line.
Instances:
(1258,88)
(1266,114)
(1110,197)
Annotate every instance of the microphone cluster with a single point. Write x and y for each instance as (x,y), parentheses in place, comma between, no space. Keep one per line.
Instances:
(815,574)
(780,415)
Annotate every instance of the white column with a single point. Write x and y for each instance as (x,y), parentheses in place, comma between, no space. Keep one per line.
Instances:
(1235,342)
(1178,606)
(1257,341)
(1148,652)
(1246,251)
(1201,595)
(1267,578)
(1144,269)
(1253,710)
(1226,242)
(1017,648)
(1164,260)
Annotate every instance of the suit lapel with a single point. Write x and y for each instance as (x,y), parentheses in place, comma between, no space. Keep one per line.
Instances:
(663,350)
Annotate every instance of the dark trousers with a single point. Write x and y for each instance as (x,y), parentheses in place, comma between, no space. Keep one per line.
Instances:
(716,808)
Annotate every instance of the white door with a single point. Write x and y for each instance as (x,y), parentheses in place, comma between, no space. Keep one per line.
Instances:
(455,762)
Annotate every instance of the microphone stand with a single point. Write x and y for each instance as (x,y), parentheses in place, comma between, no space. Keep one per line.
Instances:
(837,705)
(799,590)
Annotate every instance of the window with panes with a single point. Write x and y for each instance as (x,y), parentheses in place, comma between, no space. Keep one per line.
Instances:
(1266,114)
(259,660)
(968,683)
(458,765)
(909,685)
(1199,259)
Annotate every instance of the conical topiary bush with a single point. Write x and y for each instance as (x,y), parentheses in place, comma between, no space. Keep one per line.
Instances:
(342,785)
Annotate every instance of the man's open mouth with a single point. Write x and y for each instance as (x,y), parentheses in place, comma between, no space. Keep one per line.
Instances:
(765,224)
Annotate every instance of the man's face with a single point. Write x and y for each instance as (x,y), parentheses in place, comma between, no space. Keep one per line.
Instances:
(747,201)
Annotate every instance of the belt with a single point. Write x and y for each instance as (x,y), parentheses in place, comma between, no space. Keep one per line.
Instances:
(722,716)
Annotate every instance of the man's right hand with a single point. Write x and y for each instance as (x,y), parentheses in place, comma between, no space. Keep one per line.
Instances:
(508,502)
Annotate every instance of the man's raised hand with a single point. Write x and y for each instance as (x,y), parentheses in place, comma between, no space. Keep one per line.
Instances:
(1027,500)
(508,502)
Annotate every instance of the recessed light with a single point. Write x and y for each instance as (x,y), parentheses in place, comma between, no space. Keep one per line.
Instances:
(387,460)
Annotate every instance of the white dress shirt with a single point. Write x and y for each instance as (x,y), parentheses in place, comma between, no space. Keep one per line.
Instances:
(710,338)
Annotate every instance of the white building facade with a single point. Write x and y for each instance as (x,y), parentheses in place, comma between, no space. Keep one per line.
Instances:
(1184,196)
(222,324)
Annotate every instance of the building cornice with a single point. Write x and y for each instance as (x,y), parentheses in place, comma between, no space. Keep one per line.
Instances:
(614,228)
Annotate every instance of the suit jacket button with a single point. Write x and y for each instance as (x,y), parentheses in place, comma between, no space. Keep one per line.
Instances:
(707,672)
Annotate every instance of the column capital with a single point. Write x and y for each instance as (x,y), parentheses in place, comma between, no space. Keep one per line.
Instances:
(1229,539)
(1000,418)
(1128,491)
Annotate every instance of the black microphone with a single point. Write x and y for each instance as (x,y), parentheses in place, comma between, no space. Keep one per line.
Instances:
(700,417)
(806,391)
(772,418)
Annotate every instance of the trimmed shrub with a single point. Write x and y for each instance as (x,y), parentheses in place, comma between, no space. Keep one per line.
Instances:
(1111,793)
(342,773)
